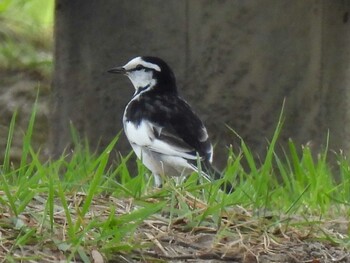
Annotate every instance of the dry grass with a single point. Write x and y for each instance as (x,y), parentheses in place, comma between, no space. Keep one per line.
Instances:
(242,236)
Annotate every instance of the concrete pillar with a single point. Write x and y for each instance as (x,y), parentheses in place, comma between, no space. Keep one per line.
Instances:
(235,62)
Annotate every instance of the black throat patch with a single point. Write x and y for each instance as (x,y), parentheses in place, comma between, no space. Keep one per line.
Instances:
(139,90)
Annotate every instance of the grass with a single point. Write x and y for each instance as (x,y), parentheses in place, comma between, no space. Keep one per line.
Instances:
(26,36)
(80,209)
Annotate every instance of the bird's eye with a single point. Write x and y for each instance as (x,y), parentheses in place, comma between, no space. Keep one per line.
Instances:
(139,67)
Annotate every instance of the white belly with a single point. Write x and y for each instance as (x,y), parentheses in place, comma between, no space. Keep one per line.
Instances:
(164,160)
(161,164)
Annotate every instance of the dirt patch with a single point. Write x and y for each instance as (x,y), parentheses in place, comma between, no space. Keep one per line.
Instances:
(242,238)
(18,91)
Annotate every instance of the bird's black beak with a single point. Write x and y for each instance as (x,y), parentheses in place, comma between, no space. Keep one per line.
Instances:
(117,70)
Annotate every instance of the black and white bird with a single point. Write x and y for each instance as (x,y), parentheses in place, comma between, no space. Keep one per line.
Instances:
(161,127)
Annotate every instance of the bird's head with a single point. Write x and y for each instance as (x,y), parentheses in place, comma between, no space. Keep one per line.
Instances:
(146,73)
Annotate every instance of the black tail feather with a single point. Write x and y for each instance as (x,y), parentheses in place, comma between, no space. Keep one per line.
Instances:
(215,174)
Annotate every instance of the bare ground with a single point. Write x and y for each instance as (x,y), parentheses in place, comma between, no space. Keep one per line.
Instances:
(18,91)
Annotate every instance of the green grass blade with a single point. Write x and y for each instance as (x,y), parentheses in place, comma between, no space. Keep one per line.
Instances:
(102,163)
(7,156)
(8,194)
(28,136)
(62,196)
(50,200)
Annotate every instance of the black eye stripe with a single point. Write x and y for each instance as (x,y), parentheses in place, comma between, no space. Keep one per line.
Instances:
(140,67)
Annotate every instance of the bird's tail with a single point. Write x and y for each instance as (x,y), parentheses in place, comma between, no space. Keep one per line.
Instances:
(215,174)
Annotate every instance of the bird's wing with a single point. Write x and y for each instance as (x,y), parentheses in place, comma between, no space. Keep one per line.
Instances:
(167,125)
(155,138)
(185,124)
(176,126)
(167,141)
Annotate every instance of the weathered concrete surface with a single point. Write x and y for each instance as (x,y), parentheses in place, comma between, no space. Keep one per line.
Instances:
(84,92)
(235,62)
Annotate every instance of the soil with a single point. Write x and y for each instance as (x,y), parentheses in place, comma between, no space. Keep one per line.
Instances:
(18,91)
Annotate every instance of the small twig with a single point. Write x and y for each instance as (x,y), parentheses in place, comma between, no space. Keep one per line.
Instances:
(205,256)
(341,258)
(157,243)
(181,243)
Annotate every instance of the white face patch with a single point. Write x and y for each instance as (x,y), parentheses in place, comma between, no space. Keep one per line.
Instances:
(141,78)
(139,61)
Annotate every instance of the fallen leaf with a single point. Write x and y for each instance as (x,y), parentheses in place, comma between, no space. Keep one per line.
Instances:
(96,256)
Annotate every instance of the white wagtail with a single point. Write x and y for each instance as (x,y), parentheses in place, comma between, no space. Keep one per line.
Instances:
(161,127)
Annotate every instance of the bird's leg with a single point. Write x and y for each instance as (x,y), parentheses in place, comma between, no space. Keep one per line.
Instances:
(179,180)
(157,181)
